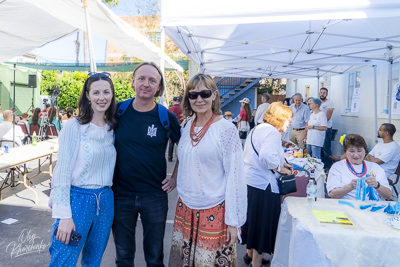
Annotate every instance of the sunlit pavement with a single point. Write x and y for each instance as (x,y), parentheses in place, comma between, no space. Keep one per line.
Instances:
(26,242)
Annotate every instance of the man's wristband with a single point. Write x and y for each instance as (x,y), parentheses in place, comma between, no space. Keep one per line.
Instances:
(379,185)
(313,126)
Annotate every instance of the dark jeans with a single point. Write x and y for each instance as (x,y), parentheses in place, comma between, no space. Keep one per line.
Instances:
(326,149)
(171,149)
(153,214)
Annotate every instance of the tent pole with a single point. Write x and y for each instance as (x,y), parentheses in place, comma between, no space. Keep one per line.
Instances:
(202,62)
(93,67)
(375,104)
(162,67)
(14,111)
(390,91)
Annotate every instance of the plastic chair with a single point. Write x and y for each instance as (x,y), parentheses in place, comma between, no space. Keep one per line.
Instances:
(301,184)
(51,131)
(397,172)
(25,131)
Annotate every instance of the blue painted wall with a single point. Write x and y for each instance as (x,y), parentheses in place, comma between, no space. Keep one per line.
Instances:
(234,106)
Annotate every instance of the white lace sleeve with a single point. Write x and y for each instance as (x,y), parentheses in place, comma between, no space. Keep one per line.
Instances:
(69,145)
(236,187)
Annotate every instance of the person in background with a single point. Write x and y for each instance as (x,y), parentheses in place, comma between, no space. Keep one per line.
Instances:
(343,175)
(327,107)
(1,115)
(307,100)
(35,119)
(301,115)
(81,187)
(7,129)
(24,121)
(259,118)
(177,110)
(264,155)
(16,118)
(54,119)
(45,111)
(315,128)
(211,184)
(244,119)
(67,116)
(229,116)
(287,101)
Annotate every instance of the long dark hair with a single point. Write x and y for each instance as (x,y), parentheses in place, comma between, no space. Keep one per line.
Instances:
(35,117)
(85,109)
(247,108)
(52,114)
(70,112)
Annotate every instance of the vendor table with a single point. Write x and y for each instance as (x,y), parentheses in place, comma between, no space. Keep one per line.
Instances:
(21,155)
(303,241)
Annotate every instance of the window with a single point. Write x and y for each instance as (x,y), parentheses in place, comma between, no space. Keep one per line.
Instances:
(354,82)
(154,37)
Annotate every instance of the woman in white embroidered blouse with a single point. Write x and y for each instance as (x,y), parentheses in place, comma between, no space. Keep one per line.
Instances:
(263,153)
(82,199)
(211,186)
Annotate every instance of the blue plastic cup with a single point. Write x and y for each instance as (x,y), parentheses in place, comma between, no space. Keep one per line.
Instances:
(6,149)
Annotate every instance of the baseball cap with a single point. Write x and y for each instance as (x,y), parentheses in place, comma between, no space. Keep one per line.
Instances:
(176,98)
(245,100)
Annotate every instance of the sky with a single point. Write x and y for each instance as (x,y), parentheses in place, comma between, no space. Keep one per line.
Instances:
(64,50)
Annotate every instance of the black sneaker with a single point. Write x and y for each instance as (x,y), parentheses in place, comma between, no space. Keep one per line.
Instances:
(247,260)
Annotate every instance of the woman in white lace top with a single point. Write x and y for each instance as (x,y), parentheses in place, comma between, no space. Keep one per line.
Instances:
(82,199)
(211,186)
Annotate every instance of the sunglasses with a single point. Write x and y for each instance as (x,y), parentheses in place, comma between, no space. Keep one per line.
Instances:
(203,94)
(101,74)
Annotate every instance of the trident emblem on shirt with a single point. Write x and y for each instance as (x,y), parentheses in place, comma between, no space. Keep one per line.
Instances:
(152,131)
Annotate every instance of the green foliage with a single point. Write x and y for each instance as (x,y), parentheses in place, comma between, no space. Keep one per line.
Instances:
(272,86)
(110,3)
(71,85)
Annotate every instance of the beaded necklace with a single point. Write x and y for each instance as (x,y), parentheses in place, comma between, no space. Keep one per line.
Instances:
(196,137)
(363,171)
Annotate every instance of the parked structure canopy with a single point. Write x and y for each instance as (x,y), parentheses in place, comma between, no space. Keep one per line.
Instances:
(287,38)
(28,24)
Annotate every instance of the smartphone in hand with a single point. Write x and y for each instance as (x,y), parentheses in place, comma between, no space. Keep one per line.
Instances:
(75,237)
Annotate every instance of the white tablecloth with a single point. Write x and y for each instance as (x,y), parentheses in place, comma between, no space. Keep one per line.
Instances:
(303,241)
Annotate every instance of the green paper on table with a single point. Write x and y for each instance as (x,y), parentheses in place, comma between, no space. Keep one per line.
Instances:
(332,217)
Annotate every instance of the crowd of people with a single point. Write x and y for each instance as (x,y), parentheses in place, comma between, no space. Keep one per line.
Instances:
(111,169)
(26,125)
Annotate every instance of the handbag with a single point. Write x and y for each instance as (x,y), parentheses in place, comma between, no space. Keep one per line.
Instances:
(286,183)
(242,134)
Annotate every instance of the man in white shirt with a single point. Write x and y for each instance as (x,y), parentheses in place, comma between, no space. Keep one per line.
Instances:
(327,107)
(386,153)
(6,129)
(259,118)
(301,115)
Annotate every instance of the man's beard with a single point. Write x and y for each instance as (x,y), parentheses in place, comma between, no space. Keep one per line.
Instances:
(322,97)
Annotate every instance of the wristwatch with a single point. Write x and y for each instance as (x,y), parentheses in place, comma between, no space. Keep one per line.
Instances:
(379,185)
(313,126)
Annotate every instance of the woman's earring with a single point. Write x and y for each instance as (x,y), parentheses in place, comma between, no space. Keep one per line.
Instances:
(90,102)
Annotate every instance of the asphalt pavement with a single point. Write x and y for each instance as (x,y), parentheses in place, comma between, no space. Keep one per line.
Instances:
(26,241)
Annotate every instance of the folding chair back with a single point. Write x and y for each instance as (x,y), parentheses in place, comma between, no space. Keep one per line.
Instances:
(35,128)
(51,131)
(393,184)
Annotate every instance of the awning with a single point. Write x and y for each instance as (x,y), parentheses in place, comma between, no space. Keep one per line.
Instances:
(29,24)
(284,39)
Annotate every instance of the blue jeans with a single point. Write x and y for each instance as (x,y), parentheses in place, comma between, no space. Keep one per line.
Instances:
(314,150)
(153,214)
(326,150)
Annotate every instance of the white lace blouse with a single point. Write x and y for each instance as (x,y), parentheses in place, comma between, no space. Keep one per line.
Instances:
(212,172)
(86,158)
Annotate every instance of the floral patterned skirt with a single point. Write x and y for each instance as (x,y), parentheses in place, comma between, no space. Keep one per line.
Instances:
(199,238)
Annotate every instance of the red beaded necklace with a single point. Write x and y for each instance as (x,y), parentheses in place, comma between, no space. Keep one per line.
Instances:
(196,137)
(353,171)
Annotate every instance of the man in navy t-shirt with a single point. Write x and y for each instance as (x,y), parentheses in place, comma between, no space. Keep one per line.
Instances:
(140,184)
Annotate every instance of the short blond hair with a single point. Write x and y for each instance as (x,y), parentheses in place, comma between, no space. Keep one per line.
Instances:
(277,114)
(207,81)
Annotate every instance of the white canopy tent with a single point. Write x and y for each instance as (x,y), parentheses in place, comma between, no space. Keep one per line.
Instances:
(288,38)
(28,24)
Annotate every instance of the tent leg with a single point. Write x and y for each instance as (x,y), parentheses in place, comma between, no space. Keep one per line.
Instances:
(390,91)
(375,104)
